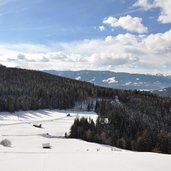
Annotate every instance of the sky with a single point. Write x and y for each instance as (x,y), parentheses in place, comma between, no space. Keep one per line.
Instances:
(123,36)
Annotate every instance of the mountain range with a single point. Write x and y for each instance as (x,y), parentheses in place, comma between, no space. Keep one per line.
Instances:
(119,80)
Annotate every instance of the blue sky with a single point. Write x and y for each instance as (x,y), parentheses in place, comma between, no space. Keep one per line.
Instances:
(44,21)
(75,34)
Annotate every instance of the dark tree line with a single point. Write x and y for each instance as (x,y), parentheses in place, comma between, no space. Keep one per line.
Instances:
(29,90)
(139,122)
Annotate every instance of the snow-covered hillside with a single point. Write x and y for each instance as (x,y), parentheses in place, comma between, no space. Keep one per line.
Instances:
(27,154)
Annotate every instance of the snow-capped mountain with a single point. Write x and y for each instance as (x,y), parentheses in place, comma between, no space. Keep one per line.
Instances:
(117,79)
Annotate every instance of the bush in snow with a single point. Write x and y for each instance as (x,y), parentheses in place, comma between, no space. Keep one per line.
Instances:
(6,143)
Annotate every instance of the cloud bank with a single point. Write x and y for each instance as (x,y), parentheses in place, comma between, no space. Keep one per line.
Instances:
(124,52)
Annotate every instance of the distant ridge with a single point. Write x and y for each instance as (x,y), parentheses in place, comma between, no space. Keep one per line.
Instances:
(165,92)
(119,80)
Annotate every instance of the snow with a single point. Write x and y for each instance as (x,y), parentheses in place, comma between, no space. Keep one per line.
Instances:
(78,78)
(128,83)
(110,80)
(27,154)
(92,80)
(134,83)
(161,90)
(138,83)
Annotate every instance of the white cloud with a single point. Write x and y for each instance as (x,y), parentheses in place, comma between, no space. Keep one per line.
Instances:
(129,23)
(21,57)
(124,52)
(163,5)
(56,55)
(101,28)
(112,21)
(146,4)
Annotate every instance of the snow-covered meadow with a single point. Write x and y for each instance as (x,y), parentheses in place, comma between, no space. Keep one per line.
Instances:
(27,154)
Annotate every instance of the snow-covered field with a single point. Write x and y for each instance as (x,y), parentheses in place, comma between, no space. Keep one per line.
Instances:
(27,154)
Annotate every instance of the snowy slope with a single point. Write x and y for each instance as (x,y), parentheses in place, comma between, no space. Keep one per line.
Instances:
(26,153)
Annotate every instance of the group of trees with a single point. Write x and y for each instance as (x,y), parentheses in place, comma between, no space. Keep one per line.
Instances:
(29,90)
(140,123)
(22,89)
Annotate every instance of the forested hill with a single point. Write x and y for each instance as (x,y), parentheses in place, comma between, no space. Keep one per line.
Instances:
(22,89)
